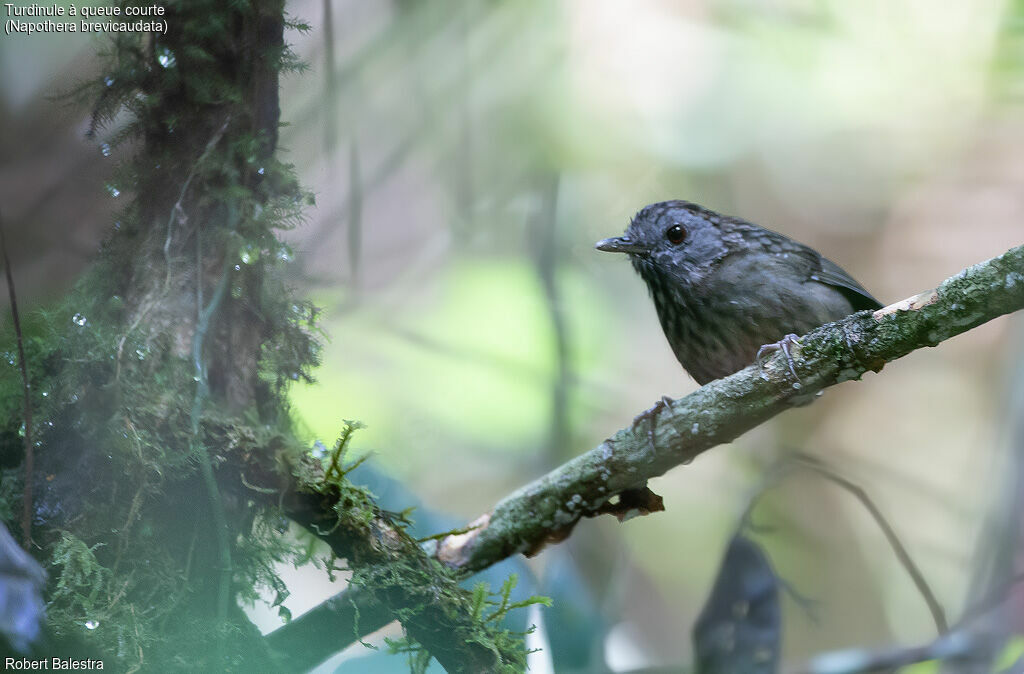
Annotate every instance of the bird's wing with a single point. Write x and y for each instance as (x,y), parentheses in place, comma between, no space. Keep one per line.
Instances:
(834,275)
(819,268)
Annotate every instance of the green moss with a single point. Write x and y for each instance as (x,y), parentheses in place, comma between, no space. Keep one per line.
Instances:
(122,516)
(488,611)
(147,376)
(392,566)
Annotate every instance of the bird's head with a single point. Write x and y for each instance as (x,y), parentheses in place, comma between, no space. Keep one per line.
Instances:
(677,238)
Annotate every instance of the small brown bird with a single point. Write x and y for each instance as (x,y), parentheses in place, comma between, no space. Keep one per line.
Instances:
(726,289)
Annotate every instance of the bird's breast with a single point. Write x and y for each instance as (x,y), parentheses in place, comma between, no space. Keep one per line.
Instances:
(716,327)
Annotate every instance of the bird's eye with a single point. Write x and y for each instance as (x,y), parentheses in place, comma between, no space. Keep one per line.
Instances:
(675,234)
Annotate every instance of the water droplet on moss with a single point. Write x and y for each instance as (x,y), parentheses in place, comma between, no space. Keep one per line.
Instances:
(249,254)
(166,58)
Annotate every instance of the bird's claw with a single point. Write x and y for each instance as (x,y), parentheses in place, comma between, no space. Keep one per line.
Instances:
(782,345)
(650,415)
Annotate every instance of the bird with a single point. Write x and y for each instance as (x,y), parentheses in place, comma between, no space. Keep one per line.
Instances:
(726,291)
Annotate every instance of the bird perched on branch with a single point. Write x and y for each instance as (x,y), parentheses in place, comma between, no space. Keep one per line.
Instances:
(726,289)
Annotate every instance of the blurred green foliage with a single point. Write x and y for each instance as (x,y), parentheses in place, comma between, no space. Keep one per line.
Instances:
(470,360)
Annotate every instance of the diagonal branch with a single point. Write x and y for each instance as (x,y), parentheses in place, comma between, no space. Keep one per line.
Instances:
(675,433)
(328,628)
(430,605)
(395,576)
(612,477)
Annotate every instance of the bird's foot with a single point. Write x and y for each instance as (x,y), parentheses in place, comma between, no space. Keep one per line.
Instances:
(782,345)
(650,415)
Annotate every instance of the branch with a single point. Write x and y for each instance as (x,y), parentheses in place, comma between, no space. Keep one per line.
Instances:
(822,469)
(328,629)
(399,575)
(26,499)
(954,647)
(677,431)
(394,577)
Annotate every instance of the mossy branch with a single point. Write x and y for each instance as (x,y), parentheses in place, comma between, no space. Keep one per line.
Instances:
(394,577)
(328,628)
(675,432)
(400,575)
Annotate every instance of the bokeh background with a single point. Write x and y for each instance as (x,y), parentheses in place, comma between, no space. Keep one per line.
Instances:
(466,155)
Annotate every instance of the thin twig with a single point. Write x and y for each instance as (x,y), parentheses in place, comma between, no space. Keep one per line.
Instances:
(204,315)
(938,614)
(330,97)
(177,211)
(26,500)
(824,470)
(355,214)
(955,646)
(545,237)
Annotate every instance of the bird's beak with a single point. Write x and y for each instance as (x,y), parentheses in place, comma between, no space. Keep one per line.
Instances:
(621,244)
